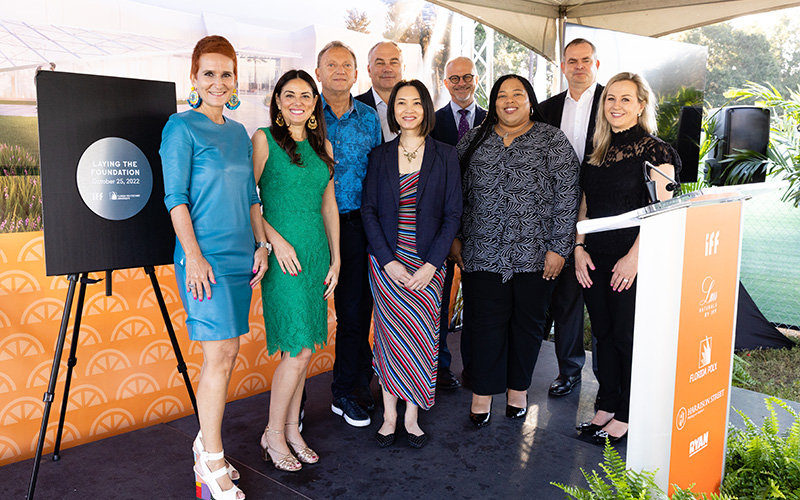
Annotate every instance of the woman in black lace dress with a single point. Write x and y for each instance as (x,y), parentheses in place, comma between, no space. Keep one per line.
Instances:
(606,263)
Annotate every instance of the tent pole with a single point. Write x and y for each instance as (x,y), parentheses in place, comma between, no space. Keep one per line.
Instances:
(562,25)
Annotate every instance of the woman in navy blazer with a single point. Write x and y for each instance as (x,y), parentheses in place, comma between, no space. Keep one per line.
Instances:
(411,210)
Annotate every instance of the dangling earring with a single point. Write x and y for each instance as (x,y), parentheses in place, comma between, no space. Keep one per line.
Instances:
(194,99)
(312,123)
(234,101)
(279,120)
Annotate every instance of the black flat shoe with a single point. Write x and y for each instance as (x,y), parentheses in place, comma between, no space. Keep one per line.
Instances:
(417,441)
(384,440)
(589,427)
(601,436)
(514,412)
(480,419)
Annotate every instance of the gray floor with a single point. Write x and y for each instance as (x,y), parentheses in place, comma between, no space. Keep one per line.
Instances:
(507,459)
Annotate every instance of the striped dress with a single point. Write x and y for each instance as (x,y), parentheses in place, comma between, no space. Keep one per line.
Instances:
(406,347)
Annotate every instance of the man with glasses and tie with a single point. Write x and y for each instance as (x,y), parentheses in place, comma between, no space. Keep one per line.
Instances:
(452,122)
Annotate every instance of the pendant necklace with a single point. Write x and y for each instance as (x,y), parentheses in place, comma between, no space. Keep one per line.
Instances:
(413,154)
(505,136)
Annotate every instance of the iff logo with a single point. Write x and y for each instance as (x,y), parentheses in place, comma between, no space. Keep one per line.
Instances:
(698,444)
(712,242)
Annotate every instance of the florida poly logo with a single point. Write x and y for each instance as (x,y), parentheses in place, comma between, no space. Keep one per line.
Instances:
(705,352)
(698,443)
(712,242)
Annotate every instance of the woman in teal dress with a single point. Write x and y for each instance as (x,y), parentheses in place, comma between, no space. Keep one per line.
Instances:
(293,165)
(211,197)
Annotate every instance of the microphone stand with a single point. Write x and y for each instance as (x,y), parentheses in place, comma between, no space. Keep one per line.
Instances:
(650,184)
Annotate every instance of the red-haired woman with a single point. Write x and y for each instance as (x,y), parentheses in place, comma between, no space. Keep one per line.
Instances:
(211,196)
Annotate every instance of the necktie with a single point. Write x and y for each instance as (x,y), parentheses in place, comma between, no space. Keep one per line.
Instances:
(463,124)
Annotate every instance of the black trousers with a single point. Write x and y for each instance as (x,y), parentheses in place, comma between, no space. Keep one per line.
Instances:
(566,312)
(505,325)
(612,316)
(352,367)
(445,357)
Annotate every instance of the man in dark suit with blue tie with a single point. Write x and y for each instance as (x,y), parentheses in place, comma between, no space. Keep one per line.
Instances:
(574,112)
(452,122)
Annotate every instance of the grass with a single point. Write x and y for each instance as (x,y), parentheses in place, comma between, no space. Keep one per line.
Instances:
(21,131)
(20,204)
(775,372)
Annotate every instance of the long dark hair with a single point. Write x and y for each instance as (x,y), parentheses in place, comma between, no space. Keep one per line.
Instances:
(429,112)
(316,137)
(487,126)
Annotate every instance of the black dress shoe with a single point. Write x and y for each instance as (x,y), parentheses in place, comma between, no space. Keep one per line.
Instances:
(562,385)
(514,412)
(446,379)
(384,440)
(480,419)
(588,427)
(417,441)
(601,436)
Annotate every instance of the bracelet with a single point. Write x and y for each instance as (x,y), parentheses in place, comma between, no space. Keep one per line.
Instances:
(582,245)
(264,244)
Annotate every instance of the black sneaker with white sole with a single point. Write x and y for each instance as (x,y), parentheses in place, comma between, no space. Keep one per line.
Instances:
(352,413)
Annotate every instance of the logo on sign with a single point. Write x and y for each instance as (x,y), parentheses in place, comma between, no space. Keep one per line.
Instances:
(708,303)
(698,443)
(712,242)
(705,352)
(680,419)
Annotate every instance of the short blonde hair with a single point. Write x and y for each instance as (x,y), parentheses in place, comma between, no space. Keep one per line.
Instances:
(602,129)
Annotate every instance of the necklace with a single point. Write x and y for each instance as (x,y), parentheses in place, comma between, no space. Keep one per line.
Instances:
(412,155)
(509,132)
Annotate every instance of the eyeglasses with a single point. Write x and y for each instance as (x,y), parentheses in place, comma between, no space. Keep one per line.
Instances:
(466,78)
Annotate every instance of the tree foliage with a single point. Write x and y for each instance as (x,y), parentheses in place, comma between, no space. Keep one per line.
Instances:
(357,21)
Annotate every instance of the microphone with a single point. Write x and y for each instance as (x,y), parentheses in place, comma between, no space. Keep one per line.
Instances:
(649,183)
(672,186)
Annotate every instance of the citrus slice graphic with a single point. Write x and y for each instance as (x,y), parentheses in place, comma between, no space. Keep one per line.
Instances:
(130,274)
(176,379)
(40,374)
(155,352)
(32,251)
(321,363)
(43,310)
(85,396)
(22,409)
(100,304)
(18,282)
(20,345)
(8,448)
(86,337)
(107,361)
(137,326)
(112,421)
(71,433)
(6,384)
(137,384)
(163,408)
(4,320)
(251,384)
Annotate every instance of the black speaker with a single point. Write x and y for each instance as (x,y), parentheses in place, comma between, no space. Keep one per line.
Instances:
(687,144)
(737,128)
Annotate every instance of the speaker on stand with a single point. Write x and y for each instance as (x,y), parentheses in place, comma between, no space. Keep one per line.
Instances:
(738,128)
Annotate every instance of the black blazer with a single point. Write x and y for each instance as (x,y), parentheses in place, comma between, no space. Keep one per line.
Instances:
(553,109)
(446,130)
(368,99)
(438,202)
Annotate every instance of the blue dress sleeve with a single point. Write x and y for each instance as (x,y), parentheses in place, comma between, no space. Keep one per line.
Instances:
(176,162)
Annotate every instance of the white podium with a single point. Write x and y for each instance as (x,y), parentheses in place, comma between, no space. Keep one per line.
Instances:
(687,291)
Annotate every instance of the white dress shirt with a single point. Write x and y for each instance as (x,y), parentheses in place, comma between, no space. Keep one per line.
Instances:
(575,119)
(381,107)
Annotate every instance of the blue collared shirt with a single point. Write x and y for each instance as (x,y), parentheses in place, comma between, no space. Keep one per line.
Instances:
(352,136)
(455,108)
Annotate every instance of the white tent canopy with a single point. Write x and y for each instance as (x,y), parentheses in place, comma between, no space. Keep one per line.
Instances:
(536,23)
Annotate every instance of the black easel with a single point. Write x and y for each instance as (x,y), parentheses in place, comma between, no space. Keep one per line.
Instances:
(49,396)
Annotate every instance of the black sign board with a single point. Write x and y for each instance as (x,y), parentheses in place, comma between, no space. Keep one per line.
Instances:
(102,181)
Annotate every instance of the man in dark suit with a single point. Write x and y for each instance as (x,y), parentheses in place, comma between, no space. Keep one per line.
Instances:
(452,122)
(385,69)
(574,112)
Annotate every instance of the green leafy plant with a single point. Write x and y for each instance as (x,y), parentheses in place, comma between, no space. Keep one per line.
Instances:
(740,376)
(763,463)
(620,483)
(783,152)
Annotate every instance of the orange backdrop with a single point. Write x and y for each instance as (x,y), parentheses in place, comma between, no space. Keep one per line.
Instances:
(126,375)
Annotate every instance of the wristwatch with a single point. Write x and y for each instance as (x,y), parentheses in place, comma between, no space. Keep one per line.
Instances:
(264,244)
(580,245)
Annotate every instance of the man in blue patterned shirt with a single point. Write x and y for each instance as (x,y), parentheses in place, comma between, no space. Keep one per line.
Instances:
(353,129)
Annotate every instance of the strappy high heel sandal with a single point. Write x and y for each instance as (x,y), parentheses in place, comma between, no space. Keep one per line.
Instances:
(198,448)
(287,462)
(206,480)
(303,453)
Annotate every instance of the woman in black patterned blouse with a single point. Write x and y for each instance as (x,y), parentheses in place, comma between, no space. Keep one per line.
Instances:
(520,183)
(606,263)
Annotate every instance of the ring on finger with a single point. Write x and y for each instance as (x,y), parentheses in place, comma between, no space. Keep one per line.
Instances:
(625,280)
(190,286)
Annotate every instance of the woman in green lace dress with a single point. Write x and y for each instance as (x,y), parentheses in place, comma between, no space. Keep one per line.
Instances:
(293,165)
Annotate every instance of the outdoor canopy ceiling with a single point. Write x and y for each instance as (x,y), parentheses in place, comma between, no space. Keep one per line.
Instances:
(535,23)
